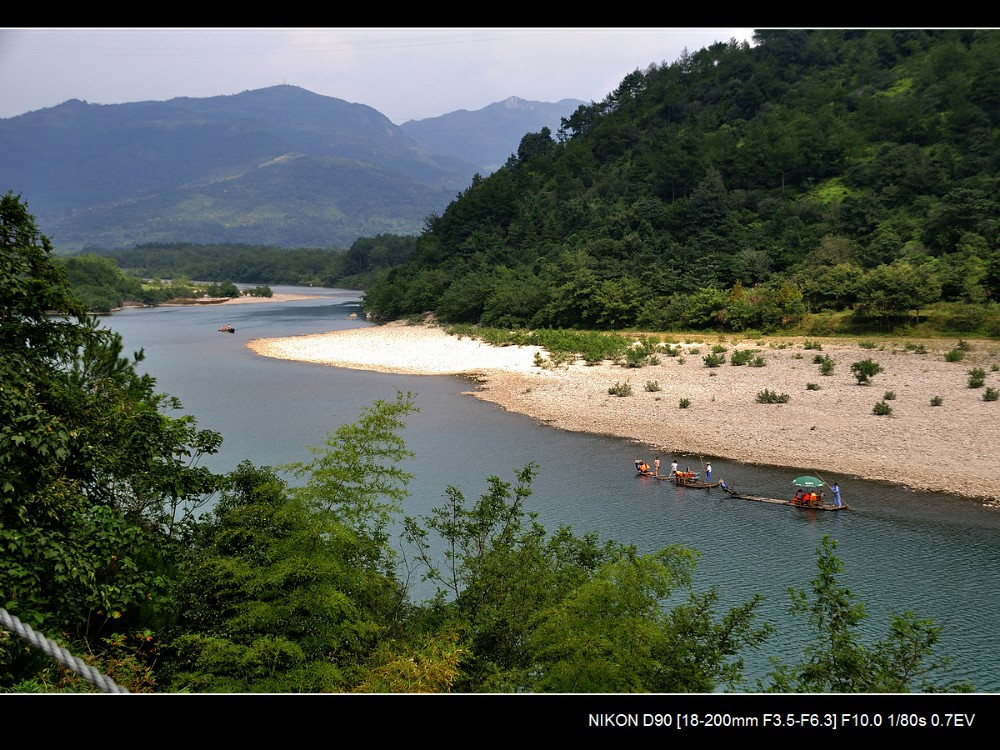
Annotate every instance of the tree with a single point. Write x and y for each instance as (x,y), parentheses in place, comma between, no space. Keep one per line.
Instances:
(887,292)
(836,662)
(276,596)
(95,480)
(354,478)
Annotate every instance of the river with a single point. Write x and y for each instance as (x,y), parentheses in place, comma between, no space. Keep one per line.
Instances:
(935,554)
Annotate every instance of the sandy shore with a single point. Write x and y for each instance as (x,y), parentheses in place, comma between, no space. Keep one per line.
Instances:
(954,447)
(247,300)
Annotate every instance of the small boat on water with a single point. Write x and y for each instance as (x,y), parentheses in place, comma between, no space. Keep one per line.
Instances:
(227,329)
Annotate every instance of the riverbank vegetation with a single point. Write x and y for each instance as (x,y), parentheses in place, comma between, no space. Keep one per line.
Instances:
(103,287)
(353,268)
(282,589)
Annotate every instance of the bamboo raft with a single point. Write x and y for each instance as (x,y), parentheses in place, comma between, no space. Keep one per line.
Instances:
(694,483)
(775,501)
(680,481)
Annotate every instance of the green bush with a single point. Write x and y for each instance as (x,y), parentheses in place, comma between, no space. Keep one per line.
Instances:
(635,357)
(741,357)
(812,345)
(865,370)
(882,409)
(826,364)
(772,397)
(684,403)
(889,396)
(866,344)
(964,345)
(812,386)
(977,377)
(758,362)
(713,360)
(936,401)
(718,349)
(917,348)
(652,385)
(991,394)
(994,368)
(955,355)
(620,389)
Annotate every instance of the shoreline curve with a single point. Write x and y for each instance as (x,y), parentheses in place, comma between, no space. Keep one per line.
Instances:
(950,449)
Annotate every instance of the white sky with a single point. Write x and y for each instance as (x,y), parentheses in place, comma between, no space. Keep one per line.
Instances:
(406,73)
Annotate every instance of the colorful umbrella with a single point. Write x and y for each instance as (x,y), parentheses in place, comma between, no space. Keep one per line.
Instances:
(808,482)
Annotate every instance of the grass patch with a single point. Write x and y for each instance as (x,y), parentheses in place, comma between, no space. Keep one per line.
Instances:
(882,409)
(936,401)
(652,386)
(889,396)
(812,386)
(684,403)
(977,377)
(991,394)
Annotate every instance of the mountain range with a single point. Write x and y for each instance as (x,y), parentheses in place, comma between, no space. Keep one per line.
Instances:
(278,166)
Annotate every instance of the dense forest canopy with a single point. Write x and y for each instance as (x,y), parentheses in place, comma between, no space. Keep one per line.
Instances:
(741,186)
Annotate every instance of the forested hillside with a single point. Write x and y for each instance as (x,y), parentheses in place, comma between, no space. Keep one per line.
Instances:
(741,186)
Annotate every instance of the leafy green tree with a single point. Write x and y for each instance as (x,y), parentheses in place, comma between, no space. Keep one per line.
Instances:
(838,662)
(228,289)
(275,597)
(888,292)
(95,480)
(354,478)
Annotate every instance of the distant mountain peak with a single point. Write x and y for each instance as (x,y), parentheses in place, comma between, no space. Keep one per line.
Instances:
(513,102)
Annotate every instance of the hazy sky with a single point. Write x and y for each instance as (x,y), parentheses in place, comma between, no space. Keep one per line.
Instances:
(407,73)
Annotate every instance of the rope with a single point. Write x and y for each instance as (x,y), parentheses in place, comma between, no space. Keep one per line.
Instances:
(58,653)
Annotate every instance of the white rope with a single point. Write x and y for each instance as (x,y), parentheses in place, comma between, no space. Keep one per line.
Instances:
(57,652)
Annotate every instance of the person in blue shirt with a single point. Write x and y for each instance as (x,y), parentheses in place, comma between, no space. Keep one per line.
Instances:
(836,495)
